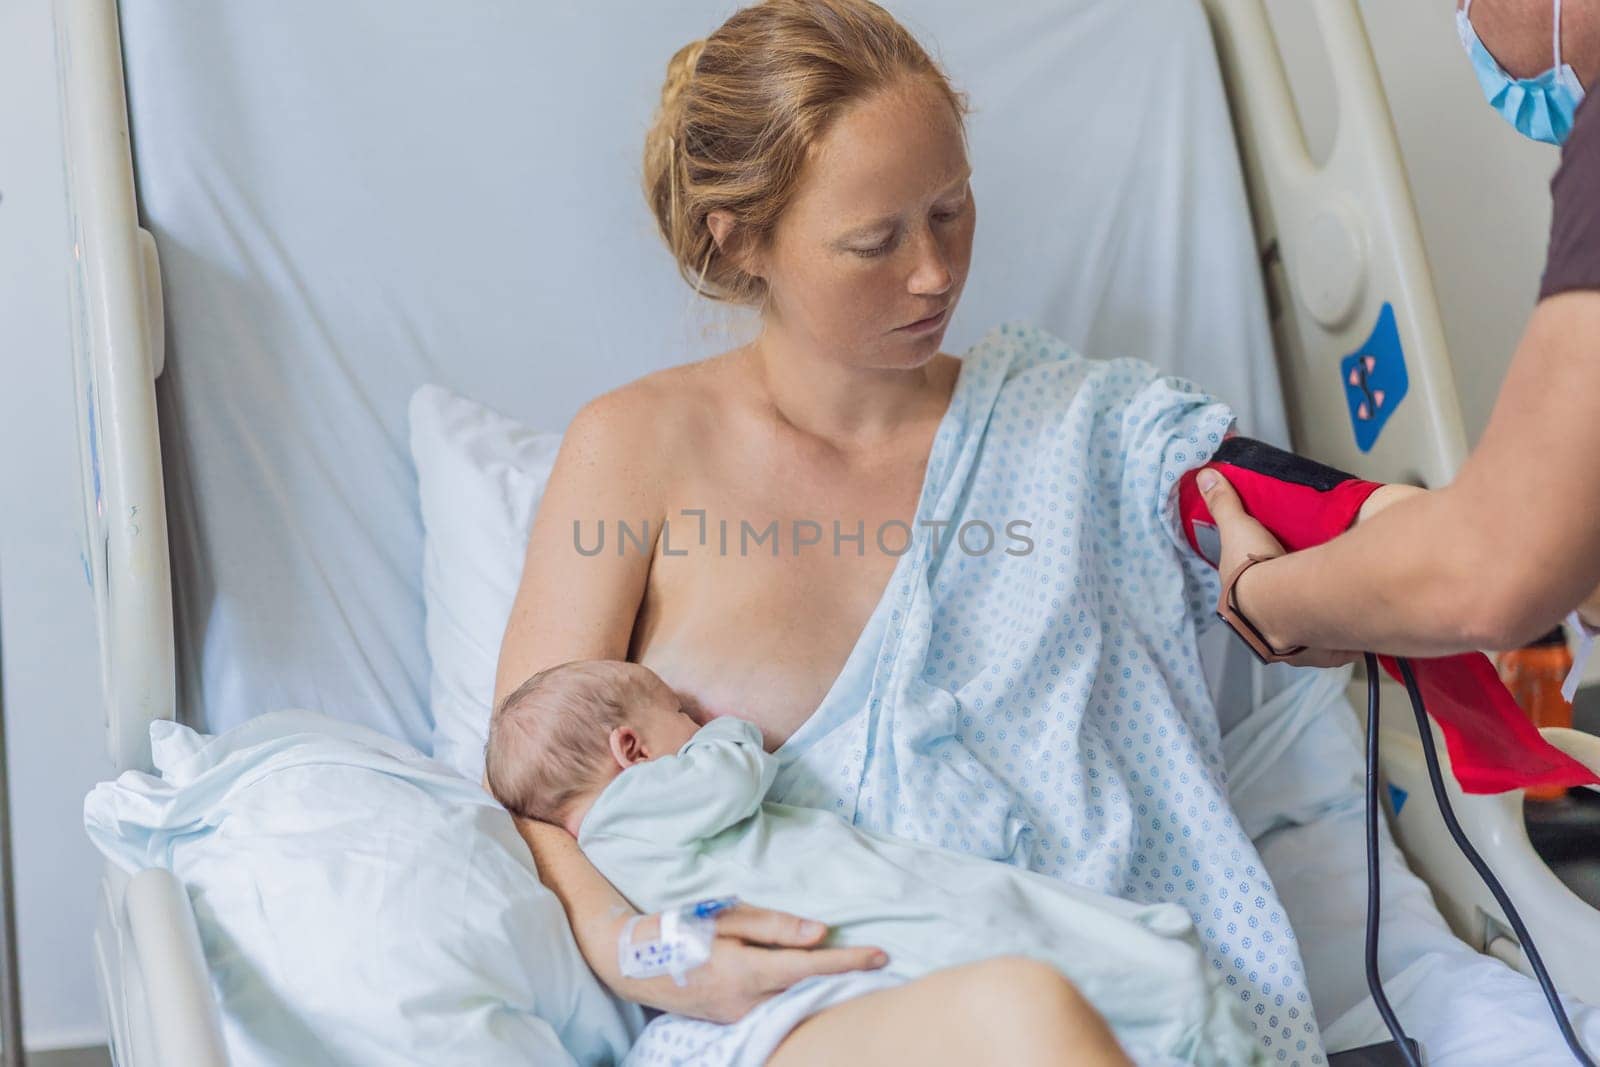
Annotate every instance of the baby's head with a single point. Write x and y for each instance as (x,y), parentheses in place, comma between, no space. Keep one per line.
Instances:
(561,738)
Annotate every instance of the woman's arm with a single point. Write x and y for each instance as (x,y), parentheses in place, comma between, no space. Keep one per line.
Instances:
(1491,560)
(757,953)
(571,606)
(575,606)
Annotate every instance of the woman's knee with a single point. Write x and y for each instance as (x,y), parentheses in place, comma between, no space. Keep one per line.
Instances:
(1031,1005)
(1007,984)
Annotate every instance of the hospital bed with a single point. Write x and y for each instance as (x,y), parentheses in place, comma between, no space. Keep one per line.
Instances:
(287,217)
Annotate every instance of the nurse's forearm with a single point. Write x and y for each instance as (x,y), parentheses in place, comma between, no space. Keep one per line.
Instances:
(1490,561)
(1589,610)
(1392,584)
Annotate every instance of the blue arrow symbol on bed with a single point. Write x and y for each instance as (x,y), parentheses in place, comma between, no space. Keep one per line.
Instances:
(1375,380)
(1397,798)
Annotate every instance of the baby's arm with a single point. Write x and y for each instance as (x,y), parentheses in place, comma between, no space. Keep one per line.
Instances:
(718,779)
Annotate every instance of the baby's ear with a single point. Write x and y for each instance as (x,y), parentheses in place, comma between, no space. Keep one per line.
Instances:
(627,747)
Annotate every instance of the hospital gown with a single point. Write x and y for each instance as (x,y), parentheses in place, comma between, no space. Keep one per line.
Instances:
(694,825)
(1044,708)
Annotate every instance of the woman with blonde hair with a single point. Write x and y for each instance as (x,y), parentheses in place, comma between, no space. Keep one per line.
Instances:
(809,159)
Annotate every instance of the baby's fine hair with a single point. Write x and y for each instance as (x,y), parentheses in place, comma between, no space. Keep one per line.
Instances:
(548,740)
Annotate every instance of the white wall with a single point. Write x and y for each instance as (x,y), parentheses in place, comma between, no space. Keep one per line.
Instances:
(1480,191)
(51,684)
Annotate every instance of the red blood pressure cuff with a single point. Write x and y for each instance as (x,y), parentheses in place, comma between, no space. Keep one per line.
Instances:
(1492,744)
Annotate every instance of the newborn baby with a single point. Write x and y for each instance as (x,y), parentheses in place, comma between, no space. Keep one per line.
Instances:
(671,812)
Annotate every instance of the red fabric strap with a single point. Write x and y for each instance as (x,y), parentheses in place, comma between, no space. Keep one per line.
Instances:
(1493,745)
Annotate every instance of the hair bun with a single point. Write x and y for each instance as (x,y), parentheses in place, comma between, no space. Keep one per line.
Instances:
(735,127)
(680,71)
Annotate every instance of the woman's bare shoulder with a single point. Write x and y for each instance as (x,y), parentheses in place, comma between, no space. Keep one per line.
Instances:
(668,416)
(652,422)
(671,392)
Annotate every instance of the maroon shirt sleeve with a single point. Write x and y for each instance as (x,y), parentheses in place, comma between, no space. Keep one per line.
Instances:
(1574,261)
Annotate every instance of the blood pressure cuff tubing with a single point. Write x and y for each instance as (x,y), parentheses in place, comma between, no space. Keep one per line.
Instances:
(1492,743)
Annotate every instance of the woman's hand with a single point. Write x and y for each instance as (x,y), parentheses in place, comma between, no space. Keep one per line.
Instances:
(1243,536)
(757,954)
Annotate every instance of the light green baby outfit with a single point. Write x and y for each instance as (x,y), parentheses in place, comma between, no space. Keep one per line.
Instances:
(680,828)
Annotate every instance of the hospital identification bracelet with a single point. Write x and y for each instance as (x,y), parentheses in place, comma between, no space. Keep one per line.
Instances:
(1228,611)
(683,943)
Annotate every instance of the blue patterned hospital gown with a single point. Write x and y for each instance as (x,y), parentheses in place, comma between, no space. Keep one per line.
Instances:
(1045,708)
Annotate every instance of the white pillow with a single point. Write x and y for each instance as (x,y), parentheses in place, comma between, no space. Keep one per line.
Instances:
(358,902)
(480,476)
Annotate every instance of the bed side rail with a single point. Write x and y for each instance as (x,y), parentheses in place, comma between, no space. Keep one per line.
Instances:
(1355,320)
(181,1010)
(159,1005)
(115,298)
(1564,926)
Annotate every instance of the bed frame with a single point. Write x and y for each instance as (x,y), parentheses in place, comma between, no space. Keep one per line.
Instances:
(155,988)
(1339,243)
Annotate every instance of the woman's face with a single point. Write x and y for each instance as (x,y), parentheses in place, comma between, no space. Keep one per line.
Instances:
(879,234)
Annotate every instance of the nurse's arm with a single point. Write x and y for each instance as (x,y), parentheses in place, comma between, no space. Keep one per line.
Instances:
(1490,561)
(1590,610)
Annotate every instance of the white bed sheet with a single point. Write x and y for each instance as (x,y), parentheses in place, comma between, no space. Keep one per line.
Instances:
(358,903)
(351,199)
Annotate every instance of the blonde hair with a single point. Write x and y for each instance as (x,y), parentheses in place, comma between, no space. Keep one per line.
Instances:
(742,109)
(549,742)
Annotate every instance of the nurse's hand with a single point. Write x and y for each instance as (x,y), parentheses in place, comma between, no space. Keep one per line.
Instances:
(1242,536)
(757,954)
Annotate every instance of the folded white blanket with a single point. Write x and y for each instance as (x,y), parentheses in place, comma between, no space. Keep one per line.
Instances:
(357,902)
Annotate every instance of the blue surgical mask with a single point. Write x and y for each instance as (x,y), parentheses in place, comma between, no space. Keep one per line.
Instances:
(1540,108)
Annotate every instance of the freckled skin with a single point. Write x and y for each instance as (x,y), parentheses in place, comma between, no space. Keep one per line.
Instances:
(829,415)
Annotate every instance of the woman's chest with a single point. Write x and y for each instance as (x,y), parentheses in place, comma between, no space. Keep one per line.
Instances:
(760,585)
